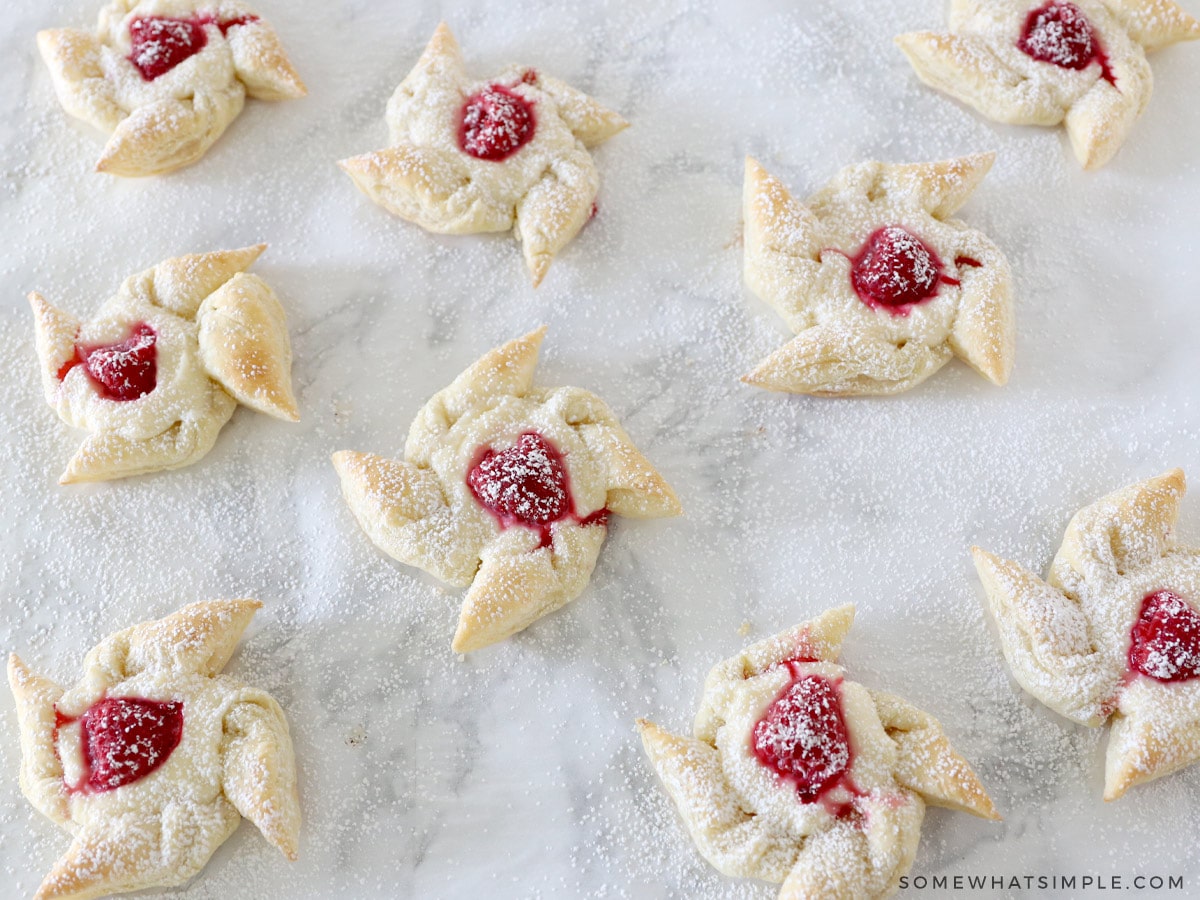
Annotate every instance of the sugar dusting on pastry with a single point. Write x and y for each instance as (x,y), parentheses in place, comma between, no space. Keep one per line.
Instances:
(1121,580)
(467,156)
(507,487)
(881,285)
(792,503)
(163,363)
(796,774)
(1083,66)
(164,87)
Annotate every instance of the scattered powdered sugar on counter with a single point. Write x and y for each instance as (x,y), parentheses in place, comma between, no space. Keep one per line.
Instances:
(517,772)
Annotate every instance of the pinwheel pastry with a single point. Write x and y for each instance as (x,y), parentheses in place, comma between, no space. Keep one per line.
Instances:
(163,365)
(506,488)
(1027,62)
(472,156)
(152,759)
(798,776)
(165,78)
(1113,633)
(879,284)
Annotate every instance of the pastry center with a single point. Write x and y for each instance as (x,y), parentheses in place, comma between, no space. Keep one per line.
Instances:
(803,736)
(124,371)
(527,485)
(496,123)
(895,269)
(124,739)
(1060,34)
(524,485)
(1165,639)
(160,43)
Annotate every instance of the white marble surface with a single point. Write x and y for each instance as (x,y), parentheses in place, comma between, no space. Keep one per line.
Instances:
(516,773)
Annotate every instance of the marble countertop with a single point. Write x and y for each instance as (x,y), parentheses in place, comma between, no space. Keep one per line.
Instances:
(516,772)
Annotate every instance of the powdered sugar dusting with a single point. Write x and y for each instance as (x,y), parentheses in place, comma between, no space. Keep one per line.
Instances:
(517,772)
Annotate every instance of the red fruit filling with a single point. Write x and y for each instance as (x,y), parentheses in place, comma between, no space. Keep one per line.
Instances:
(895,269)
(527,485)
(124,739)
(1165,638)
(123,371)
(803,738)
(160,43)
(496,123)
(1060,34)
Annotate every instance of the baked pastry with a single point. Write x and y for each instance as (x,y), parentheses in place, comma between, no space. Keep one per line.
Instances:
(1113,633)
(472,156)
(506,488)
(797,776)
(1028,62)
(164,78)
(154,757)
(879,284)
(163,365)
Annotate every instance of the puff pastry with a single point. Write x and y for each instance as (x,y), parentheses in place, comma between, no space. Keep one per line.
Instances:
(796,775)
(506,488)
(1080,64)
(879,283)
(163,365)
(151,760)
(165,78)
(506,154)
(1113,633)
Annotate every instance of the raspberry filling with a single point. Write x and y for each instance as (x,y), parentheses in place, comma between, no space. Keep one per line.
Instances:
(124,739)
(803,738)
(527,485)
(895,269)
(1165,639)
(124,371)
(496,123)
(160,43)
(1060,34)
